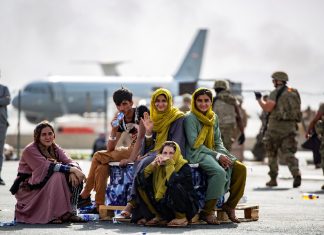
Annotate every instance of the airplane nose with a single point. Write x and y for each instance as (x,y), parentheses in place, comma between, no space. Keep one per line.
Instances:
(14,102)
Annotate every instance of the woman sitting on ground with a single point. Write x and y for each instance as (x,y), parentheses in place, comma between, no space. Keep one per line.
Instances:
(224,172)
(48,181)
(165,188)
(165,122)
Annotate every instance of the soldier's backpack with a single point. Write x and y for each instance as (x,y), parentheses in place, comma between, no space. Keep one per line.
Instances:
(288,105)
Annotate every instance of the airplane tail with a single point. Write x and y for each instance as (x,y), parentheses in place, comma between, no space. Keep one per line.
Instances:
(190,67)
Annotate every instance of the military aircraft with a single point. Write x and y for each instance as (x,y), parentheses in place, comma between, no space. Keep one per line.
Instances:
(56,96)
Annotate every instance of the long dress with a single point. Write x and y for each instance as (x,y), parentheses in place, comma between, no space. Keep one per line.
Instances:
(176,134)
(43,195)
(206,157)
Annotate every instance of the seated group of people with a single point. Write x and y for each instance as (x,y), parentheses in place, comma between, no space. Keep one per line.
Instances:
(164,140)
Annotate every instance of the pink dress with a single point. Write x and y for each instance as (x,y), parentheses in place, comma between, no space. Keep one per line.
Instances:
(44,204)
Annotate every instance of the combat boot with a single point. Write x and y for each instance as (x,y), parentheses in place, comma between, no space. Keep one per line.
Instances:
(297,181)
(272,183)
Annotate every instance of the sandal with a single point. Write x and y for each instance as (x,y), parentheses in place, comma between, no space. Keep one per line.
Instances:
(210,219)
(230,213)
(142,221)
(178,223)
(127,212)
(153,222)
(195,219)
(56,221)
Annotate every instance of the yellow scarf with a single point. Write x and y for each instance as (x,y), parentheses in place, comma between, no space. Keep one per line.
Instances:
(163,120)
(163,173)
(206,134)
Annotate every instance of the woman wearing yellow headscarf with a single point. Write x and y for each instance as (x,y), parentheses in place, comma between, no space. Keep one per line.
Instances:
(205,146)
(165,122)
(165,188)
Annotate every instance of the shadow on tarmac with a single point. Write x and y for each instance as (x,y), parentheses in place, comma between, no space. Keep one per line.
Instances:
(270,189)
(117,227)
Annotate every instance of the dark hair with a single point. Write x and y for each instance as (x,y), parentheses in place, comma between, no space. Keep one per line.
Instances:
(122,94)
(204,91)
(139,112)
(169,144)
(38,129)
(159,95)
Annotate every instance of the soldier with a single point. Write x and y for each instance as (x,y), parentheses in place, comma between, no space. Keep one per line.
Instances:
(226,107)
(319,117)
(4,102)
(186,102)
(283,105)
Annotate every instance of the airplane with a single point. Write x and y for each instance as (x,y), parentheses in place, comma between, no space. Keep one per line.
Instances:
(56,96)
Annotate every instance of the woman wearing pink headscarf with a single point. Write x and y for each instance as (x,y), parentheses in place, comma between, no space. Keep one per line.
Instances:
(48,182)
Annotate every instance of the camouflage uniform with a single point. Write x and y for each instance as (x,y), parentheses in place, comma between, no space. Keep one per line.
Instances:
(224,107)
(321,134)
(280,135)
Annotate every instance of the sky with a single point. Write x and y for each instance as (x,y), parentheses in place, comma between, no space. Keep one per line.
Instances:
(247,41)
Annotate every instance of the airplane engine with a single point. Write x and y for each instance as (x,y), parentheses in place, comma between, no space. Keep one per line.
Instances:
(37,119)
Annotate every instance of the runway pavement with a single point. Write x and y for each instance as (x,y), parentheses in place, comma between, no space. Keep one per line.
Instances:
(282,209)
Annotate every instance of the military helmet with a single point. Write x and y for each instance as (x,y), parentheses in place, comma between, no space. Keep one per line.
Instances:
(221,84)
(280,76)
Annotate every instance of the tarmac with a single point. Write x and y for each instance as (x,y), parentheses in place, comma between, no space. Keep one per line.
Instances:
(281,209)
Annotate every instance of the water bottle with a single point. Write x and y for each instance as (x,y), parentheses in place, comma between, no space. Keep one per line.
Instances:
(89,217)
(115,122)
(309,196)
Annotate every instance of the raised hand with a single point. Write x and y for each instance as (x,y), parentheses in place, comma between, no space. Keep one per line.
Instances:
(148,123)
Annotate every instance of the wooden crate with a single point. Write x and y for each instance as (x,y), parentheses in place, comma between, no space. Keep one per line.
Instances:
(251,213)
(107,212)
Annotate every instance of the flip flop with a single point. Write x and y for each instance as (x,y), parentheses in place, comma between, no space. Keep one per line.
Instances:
(230,213)
(210,219)
(174,223)
(153,222)
(142,221)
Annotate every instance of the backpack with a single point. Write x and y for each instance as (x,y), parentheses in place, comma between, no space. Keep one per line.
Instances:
(288,105)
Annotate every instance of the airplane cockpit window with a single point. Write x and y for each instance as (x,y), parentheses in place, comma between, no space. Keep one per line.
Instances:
(36,88)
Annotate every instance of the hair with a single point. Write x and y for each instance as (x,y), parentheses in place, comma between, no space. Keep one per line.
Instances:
(139,113)
(204,91)
(38,129)
(169,144)
(160,95)
(122,94)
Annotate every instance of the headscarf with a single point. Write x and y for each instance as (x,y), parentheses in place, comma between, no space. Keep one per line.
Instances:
(48,152)
(163,120)
(206,134)
(163,173)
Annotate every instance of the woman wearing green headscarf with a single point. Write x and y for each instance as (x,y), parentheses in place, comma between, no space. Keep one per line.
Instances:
(204,146)
(165,122)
